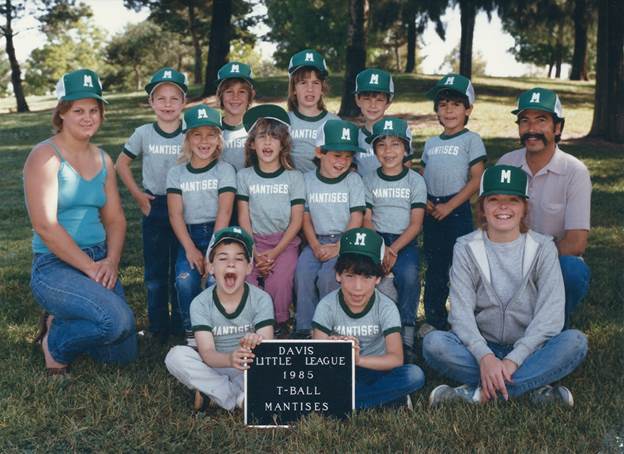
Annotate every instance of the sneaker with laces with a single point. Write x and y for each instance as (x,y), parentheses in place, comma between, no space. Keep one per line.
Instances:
(552,394)
(202,402)
(446,393)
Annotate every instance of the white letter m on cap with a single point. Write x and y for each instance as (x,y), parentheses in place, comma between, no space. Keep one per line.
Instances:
(235,69)
(505,176)
(87,81)
(360,239)
(387,125)
(309,56)
(535,97)
(449,81)
(201,113)
(346,134)
(374,80)
(167,75)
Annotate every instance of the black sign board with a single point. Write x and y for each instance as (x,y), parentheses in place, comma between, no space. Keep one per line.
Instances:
(291,378)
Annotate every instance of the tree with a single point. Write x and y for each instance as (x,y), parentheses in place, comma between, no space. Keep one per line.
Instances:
(12,10)
(5,76)
(608,119)
(451,61)
(416,15)
(584,11)
(468,10)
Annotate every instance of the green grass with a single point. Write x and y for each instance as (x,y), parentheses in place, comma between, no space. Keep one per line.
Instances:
(141,408)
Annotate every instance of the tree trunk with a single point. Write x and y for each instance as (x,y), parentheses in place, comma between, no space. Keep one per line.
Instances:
(579,58)
(410,16)
(609,101)
(137,76)
(16,74)
(550,68)
(468,14)
(356,55)
(197,70)
(559,51)
(219,45)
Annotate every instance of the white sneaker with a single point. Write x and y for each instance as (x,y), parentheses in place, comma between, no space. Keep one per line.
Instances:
(240,400)
(552,394)
(409,404)
(446,393)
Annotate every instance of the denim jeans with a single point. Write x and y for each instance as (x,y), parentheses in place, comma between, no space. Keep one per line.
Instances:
(374,388)
(558,357)
(438,241)
(188,280)
(160,248)
(406,279)
(576,275)
(88,318)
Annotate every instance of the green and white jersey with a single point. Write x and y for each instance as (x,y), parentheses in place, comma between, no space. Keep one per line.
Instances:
(160,151)
(234,138)
(305,132)
(254,311)
(379,318)
(330,201)
(200,189)
(392,198)
(447,161)
(366,162)
(270,197)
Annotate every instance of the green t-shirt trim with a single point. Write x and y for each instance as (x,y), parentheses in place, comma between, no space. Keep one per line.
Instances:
(397,177)
(244,198)
(348,311)
(192,169)
(294,202)
(128,153)
(452,136)
(366,132)
(201,328)
(174,191)
(418,205)
(326,180)
(310,119)
(239,308)
(226,189)
(167,135)
(322,328)
(263,323)
(357,208)
(227,127)
(477,160)
(262,174)
(394,329)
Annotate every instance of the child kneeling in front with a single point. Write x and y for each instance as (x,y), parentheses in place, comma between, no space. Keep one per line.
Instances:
(229,319)
(358,312)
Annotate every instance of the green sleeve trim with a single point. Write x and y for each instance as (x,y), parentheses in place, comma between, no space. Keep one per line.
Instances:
(201,328)
(227,189)
(262,324)
(358,208)
(243,197)
(322,328)
(418,205)
(128,153)
(174,191)
(477,160)
(294,202)
(394,329)
(370,206)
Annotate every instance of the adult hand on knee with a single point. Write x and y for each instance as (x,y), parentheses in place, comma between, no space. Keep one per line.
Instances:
(494,375)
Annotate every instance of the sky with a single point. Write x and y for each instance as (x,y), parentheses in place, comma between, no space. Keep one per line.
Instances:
(489,39)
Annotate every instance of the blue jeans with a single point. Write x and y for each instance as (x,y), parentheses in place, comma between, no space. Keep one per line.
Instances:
(313,280)
(160,248)
(374,388)
(576,275)
(558,357)
(438,241)
(188,280)
(88,318)
(406,279)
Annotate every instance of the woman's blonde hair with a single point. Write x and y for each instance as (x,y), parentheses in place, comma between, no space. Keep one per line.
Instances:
(274,129)
(524,222)
(186,154)
(63,107)
(298,76)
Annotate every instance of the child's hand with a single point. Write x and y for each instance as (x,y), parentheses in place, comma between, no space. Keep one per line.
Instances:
(241,359)
(144,201)
(429,208)
(195,259)
(330,251)
(317,251)
(250,341)
(356,345)
(441,210)
(390,258)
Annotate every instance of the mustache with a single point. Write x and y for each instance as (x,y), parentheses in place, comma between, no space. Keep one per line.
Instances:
(530,135)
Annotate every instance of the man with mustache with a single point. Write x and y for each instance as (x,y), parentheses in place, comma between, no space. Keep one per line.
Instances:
(559,187)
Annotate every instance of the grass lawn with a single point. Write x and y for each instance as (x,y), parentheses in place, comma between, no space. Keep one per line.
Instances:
(141,408)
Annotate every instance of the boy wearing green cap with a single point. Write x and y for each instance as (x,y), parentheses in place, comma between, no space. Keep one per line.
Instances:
(159,145)
(374,90)
(307,84)
(507,307)
(395,207)
(335,202)
(229,319)
(360,313)
(235,91)
(560,187)
(453,164)
(200,199)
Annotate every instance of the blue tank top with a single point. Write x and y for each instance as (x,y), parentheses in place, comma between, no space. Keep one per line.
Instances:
(78,207)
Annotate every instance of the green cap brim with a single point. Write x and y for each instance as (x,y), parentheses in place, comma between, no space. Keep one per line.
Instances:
(324,73)
(371,139)
(268,111)
(542,109)
(249,80)
(342,147)
(207,123)
(504,192)
(83,95)
(433,93)
(149,88)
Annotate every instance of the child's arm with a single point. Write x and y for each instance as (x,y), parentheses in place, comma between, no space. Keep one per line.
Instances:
(296,219)
(442,210)
(224,210)
(122,165)
(412,230)
(391,359)
(368,219)
(240,358)
(244,219)
(310,236)
(176,219)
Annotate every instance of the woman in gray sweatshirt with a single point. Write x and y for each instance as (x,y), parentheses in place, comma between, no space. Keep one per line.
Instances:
(507,306)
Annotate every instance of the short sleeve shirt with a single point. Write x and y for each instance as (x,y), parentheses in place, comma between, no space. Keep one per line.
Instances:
(330,201)
(270,197)
(392,198)
(255,311)
(234,138)
(159,151)
(200,189)
(379,318)
(559,193)
(366,161)
(304,131)
(448,159)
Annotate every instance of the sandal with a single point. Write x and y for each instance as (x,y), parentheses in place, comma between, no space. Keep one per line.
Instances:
(58,371)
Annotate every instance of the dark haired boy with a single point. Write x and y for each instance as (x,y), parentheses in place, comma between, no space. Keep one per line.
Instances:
(358,312)
(453,164)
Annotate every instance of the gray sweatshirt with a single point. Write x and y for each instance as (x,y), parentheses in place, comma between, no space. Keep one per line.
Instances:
(534,314)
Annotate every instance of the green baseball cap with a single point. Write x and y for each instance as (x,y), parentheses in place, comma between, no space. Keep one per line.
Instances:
(503,179)
(235,70)
(539,99)
(339,135)
(456,83)
(201,115)
(235,234)
(374,80)
(79,84)
(363,241)
(393,127)
(167,75)
(307,58)
(269,111)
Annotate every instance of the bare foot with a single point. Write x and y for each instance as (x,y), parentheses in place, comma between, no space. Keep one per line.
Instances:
(50,362)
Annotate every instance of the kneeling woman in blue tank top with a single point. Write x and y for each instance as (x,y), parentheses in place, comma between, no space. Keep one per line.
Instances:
(79,229)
